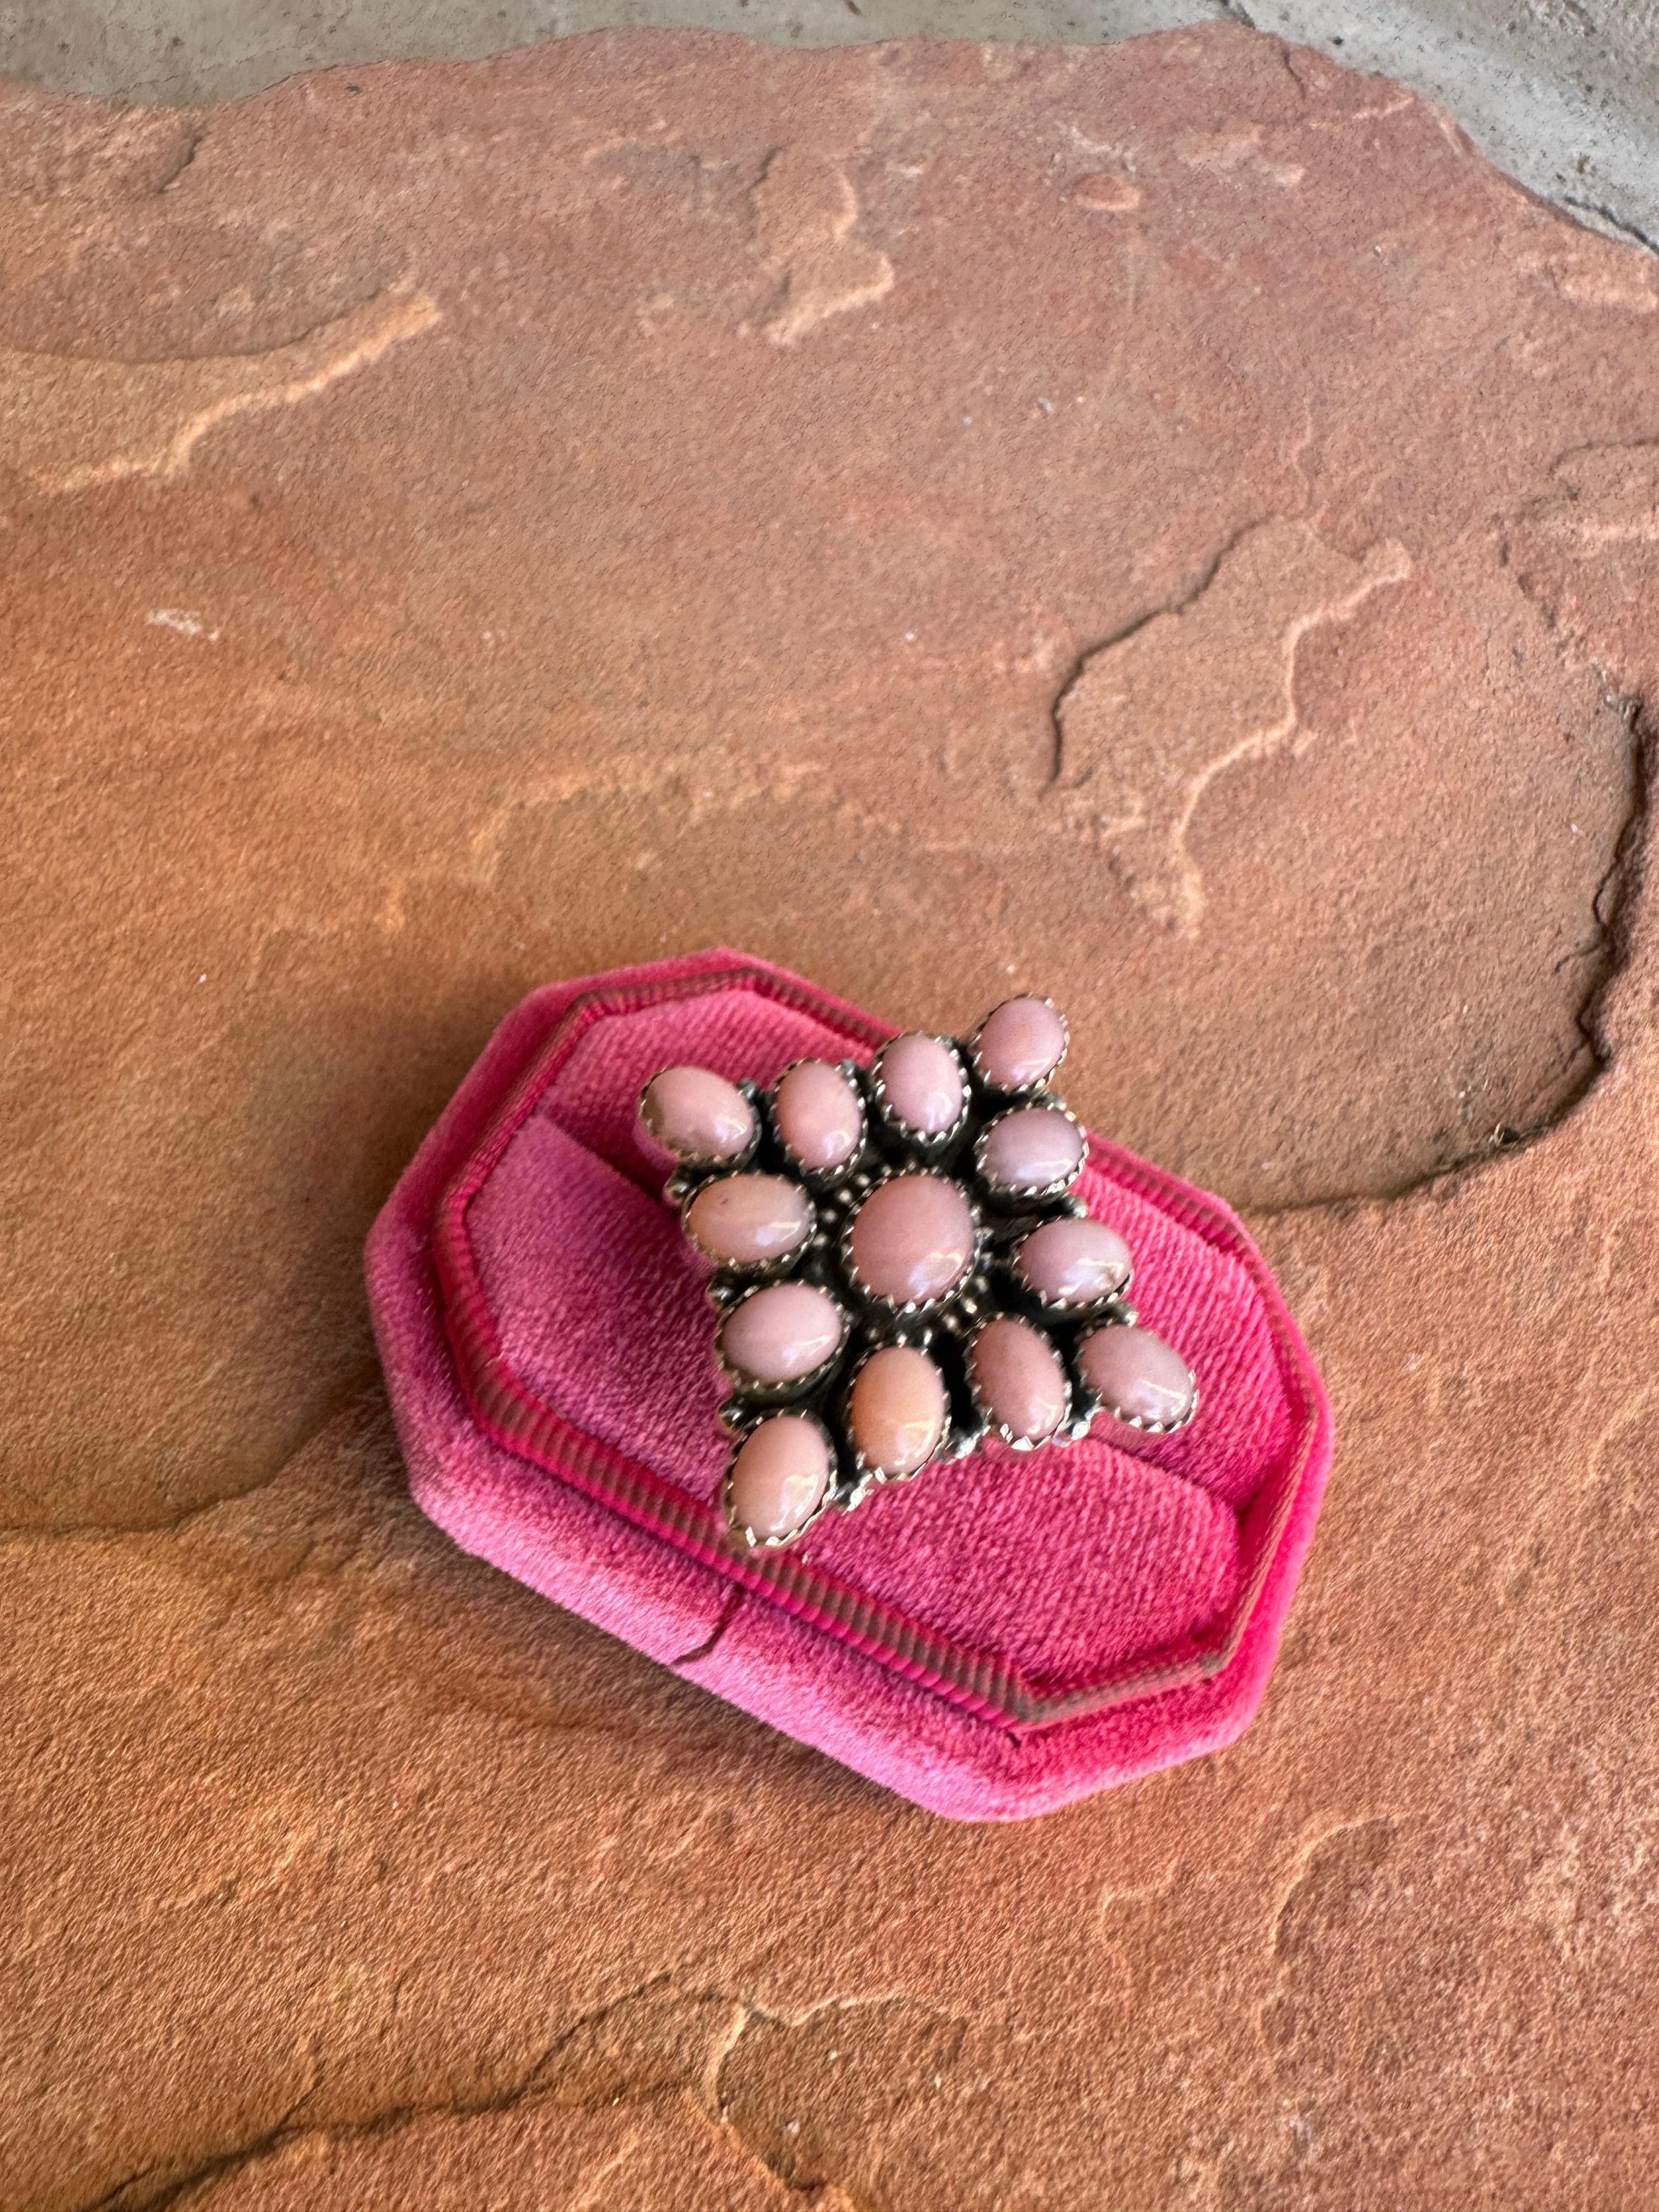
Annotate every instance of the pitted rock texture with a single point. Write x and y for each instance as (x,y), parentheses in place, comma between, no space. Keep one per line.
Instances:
(1165,526)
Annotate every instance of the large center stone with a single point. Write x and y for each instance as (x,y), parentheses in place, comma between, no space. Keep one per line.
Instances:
(913,1240)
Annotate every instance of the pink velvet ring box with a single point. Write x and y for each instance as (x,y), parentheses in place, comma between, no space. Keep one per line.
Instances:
(1002,1635)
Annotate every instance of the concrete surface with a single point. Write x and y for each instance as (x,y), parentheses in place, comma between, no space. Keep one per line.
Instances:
(1563,95)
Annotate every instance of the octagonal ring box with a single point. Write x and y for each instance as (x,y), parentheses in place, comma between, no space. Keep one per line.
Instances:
(995,1638)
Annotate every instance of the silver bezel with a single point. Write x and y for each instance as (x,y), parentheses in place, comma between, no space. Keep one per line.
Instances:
(772,1395)
(823,1179)
(1058,1313)
(751,1271)
(741,1528)
(738,1161)
(912,1308)
(946,1329)
(1008,1200)
(930,1149)
(1098,1403)
(991,1426)
(867,1474)
(1029,1091)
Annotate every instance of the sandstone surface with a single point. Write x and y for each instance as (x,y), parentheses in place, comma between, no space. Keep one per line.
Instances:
(1164,526)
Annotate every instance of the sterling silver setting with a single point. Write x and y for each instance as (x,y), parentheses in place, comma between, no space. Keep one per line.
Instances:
(757,1272)
(1064,1313)
(896,1128)
(867,1471)
(757,1541)
(748,1390)
(899,1313)
(1020,1095)
(1098,1403)
(1063,1431)
(690,1174)
(945,1328)
(821,1179)
(1044,1195)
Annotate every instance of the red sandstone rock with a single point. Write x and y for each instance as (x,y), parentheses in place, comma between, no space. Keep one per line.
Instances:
(1162,526)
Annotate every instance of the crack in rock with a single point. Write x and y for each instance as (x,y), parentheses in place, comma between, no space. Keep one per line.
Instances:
(1154,716)
(357,1409)
(850,2094)
(649,2048)
(1600,214)
(70,424)
(1586,552)
(1615,910)
(805,208)
(1335,1885)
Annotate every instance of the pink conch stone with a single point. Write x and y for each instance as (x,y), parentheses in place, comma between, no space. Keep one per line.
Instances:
(1073,1263)
(923,1083)
(744,1219)
(898,1410)
(820,1117)
(1139,1377)
(913,1239)
(783,1333)
(1020,1044)
(1020,1381)
(779,1476)
(697,1114)
(1031,1149)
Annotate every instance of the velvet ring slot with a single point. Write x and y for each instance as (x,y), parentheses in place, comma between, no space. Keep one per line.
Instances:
(1019,1629)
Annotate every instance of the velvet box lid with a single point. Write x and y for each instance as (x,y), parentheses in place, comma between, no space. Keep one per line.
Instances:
(999,1637)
